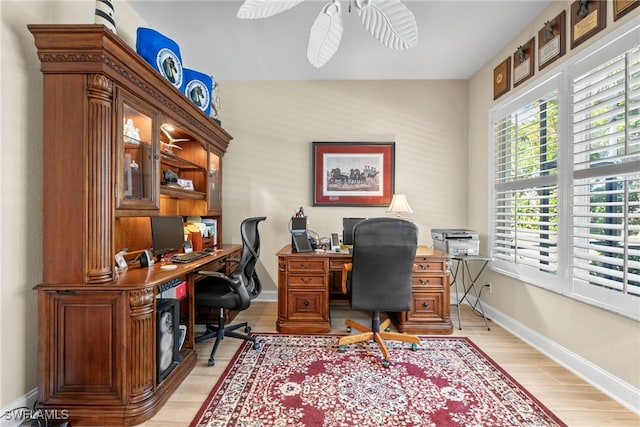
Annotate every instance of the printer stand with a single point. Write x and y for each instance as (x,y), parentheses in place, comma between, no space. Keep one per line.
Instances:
(462,274)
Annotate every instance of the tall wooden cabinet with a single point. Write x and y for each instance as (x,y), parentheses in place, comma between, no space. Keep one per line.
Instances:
(110,122)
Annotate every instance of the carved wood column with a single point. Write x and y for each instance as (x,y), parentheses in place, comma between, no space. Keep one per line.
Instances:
(140,357)
(99,243)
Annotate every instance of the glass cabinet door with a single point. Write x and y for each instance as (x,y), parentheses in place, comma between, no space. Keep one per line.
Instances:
(215,180)
(137,179)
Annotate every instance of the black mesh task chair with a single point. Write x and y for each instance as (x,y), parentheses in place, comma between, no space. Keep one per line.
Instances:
(383,259)
(233,292)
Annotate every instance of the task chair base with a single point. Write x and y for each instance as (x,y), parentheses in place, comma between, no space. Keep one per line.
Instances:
(379,335)
(221,331)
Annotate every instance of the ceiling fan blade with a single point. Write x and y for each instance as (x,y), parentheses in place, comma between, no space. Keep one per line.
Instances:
(390,22)
(325,35)
(255,9)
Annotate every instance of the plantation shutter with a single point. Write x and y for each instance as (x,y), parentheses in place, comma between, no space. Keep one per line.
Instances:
(606,175)
(525,185)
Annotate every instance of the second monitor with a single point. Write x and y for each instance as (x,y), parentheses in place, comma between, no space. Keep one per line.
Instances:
(347,230)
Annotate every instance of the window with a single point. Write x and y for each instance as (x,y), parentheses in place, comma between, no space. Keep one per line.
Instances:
(525,217)
(606,178)
(566,178)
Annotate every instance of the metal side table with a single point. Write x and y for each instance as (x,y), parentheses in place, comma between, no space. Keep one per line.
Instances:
(468,282)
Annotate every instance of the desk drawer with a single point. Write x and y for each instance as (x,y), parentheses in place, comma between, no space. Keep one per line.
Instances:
(306,280)
(307,306)
(336,264)
(426,306)
(426,264)
(426,281)
(307,265)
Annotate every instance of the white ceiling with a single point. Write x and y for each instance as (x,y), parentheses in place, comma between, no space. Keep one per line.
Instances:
(455,39)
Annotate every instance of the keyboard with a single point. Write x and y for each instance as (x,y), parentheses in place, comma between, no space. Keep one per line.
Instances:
(191,256)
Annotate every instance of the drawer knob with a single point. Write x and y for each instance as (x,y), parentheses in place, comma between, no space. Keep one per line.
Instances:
(425,305)
(424,282)
(305,280)
(306,303)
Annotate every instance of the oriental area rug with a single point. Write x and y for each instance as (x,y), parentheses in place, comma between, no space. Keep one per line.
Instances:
(303,380)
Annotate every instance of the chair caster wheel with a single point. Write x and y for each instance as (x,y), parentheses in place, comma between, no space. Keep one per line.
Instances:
(414,347)
(386,363)
(342,348)
(247,329)
(211,362)
(256,345)
(349,329)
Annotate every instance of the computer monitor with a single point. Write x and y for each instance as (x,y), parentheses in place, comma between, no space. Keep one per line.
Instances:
(167,234)
(347,229)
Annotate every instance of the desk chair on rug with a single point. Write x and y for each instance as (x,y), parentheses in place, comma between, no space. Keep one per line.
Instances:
(233,292)
(383,257)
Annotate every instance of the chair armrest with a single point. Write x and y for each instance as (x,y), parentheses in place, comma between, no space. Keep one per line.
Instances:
(211,273)
(346,268)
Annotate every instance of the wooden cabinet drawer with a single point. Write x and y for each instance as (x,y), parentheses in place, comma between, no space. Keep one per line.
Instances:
(426,264)
(336,264)
(306,264)
(307,306)
(306,280)
(426,305)
(426,281)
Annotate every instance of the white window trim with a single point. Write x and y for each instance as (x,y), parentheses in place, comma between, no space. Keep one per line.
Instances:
(618,41)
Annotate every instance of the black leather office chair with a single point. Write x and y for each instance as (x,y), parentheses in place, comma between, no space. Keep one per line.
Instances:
(383,259)
(233,292)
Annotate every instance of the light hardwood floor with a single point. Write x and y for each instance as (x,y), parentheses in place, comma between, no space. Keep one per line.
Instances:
(570,398)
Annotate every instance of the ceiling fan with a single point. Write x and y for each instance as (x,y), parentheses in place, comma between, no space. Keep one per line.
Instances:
(389,21)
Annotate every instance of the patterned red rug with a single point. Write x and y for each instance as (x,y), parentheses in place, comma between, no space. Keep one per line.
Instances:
(303,380)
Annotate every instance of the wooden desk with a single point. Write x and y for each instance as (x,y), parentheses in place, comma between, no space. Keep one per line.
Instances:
(97,343)
(306,281)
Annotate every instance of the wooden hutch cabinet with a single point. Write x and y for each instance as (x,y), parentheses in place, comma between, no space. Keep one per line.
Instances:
(115,135)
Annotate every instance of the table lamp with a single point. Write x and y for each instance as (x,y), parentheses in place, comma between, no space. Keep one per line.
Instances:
(399,205)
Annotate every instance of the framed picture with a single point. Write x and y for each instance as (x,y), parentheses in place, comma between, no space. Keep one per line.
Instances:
(587,19)
(523,59)
(353,173)
(502,78)
(622,7)
(551,40)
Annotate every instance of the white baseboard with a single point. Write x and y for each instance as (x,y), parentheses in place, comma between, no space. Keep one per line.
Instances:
(618,390)
(19,410)
(271,296)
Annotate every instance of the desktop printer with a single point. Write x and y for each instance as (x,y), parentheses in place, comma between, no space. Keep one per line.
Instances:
(456,241)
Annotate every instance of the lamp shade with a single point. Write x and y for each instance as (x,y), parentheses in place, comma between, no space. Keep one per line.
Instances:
(399,205)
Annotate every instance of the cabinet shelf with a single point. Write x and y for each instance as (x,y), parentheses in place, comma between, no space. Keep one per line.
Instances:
(178,162)
(181,193)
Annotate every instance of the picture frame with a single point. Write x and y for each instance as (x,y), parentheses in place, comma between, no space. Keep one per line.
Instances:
(502,78)
(587,19)
(523,60)
(353,173)
(622,7)
(551,40)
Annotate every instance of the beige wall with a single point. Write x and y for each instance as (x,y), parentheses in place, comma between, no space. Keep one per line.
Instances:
(440,164)
(267,170)
(601,338)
